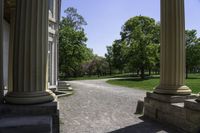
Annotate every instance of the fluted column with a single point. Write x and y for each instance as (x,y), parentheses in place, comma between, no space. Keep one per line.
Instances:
(30,54)
(1,51)
(11,46)
(172,62)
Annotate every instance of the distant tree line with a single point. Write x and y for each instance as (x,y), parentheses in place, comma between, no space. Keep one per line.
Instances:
(137,51)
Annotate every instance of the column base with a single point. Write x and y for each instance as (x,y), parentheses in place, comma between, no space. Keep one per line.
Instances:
(29,97)
(170,98)
(184,116)
(64,86)
(173,90)
(37,118)
(198,100)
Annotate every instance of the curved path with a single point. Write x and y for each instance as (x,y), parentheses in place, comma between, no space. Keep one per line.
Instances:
(97,107)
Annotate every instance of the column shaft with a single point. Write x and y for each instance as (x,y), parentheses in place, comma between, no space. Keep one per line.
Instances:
(11,45)
(30,54)
(172,64)
(1,51)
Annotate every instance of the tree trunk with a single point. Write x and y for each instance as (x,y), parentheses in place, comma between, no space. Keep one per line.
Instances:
(149,72)
(121,71)
(110,67)
(142,75)
(138,72)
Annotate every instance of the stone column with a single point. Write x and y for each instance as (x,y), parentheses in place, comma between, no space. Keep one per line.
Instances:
(172,64)
(11,45)
(30,54)
(1,51)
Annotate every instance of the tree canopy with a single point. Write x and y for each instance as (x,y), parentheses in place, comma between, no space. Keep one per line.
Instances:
(137,50)
(72,43)
(192,51)
(139,45)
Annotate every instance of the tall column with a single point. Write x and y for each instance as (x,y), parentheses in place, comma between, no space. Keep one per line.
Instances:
(30,54)
(11,45)
(1,51)
(172,64)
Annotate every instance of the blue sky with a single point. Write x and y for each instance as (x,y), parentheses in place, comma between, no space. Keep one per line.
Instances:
(106,17)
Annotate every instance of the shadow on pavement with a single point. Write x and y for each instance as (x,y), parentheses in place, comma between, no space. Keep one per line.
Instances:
(147,126)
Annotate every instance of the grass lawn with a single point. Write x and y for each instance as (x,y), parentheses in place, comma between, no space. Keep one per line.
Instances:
(148,84)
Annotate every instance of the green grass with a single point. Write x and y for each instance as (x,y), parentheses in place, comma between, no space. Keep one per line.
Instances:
(194,84)
(137,83)
(148,84)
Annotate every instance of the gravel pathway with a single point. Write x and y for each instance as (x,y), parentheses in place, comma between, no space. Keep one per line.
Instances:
(97,107)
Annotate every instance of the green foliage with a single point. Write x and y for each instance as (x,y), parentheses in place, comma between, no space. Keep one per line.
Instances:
(153,55)
(192,51)
(138,48)
(96,66)
(72,44)
(119,54)
(109,58)
(140,33)
(75,59)
(73,19)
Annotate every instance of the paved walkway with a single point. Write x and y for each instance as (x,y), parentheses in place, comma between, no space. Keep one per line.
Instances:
(97,107)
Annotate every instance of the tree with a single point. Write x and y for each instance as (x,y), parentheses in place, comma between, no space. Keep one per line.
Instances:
(119,54)
(153,57)
(97,66)
(73,19)
(72,43)
(139,32)
(192,50)
(109,58)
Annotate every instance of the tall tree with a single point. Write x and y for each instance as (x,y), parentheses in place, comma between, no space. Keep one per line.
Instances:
(109,58)
(139,32)
(192,50)
(72,43)
(73,19)
(119,54)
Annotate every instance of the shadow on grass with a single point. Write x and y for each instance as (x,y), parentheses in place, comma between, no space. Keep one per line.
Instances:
(147,126)
(136,79)
(193,78)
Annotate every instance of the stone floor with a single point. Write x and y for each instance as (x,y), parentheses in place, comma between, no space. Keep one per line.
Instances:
(97,107)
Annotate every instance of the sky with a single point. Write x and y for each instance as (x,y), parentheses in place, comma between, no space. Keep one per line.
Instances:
(106,17)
